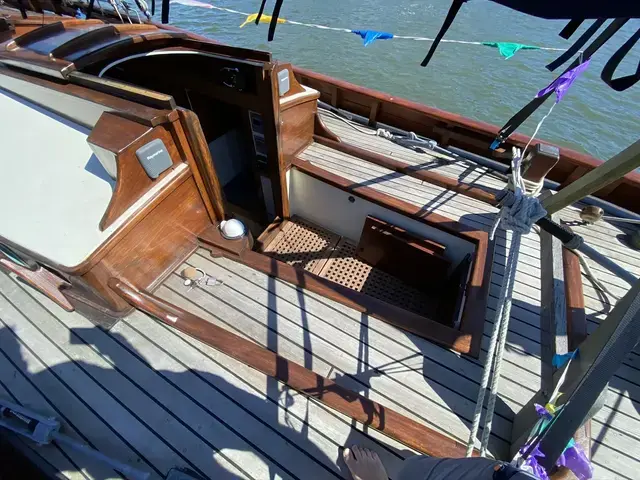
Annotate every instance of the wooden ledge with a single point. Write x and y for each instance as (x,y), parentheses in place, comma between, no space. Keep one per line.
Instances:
(485,194)
(347,402)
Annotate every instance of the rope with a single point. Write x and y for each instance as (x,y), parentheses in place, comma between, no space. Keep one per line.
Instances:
(411,140)
(519,217)
(592,276)
(352,124)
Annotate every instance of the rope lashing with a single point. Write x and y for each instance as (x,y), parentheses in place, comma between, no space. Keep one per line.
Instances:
(411,140)
(518,213)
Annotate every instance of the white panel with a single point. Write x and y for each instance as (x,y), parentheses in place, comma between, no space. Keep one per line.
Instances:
(82,111)
(331,208)
(53,189)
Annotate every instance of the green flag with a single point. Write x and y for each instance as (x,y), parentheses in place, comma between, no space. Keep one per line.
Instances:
(508,49)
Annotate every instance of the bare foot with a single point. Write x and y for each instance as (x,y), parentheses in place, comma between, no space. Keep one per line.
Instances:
(364,464)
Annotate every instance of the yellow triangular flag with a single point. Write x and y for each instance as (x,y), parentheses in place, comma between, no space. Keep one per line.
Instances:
(263,19)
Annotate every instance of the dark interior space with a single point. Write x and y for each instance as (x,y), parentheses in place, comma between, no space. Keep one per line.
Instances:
(227,121)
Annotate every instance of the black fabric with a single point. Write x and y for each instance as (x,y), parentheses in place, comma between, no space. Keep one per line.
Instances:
(621,83)
(165,11)
(570,9)
(274,19)
(23,10)
(261,11)
(453,11)
(90,9)
(570,28)
(57,7)
(584,38)
(514,122)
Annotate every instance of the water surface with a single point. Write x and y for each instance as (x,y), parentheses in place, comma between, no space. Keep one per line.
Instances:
(470,80)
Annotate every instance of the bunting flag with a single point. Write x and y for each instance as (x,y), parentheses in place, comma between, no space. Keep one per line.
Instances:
(561,84)
(508,49)
(370,36)
(263,18)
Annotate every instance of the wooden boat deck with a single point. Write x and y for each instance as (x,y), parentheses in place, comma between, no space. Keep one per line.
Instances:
(150,396)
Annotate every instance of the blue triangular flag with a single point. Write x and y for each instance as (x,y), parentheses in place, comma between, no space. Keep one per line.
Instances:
(371,35)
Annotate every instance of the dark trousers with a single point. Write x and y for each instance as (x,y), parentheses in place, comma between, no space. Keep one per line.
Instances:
(433,468)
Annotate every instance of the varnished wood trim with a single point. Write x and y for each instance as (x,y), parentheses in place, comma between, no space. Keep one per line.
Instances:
(122,137)
(483,194)
(269,234)
(321,130)
(296,128)
(539,167)
(140,113)
(124,90)
(575,174)
(41,279)
(184,146)
(475,307)
(576,316)
(576,326)
(207,179)
(155,247)
(212,237)
(112,241)
(135,27)
(347,402)
(277,164)
(373,114)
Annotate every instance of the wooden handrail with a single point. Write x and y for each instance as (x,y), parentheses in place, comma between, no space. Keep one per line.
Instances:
(347,402)
(41,279)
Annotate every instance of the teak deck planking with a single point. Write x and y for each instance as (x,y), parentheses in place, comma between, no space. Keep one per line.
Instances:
(442,385)
(148,395)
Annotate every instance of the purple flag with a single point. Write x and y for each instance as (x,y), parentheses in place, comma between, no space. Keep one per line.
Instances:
(564,81)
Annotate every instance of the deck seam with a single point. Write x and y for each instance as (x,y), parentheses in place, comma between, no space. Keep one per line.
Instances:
(55,445)
(385,395)
(255,447)
(353,379)
(133,414)
(370,346)
(80,434)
